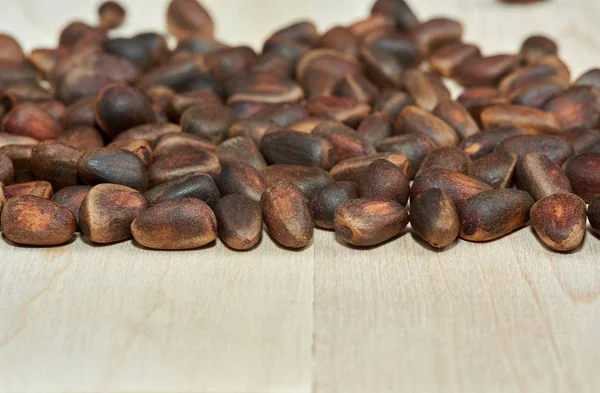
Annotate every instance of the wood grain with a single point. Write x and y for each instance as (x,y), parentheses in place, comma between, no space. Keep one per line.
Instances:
(116,318)
(506,316)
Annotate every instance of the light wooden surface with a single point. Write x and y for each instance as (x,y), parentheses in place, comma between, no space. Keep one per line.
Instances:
(507,316)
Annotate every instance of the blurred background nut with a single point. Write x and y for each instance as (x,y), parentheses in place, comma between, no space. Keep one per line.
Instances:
(28,119)
(71,197)
(111,14)
(594,213)
(186,18)
(55,162)
(120,107)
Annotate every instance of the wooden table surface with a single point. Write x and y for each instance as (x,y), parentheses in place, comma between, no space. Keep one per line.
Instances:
(508,316)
